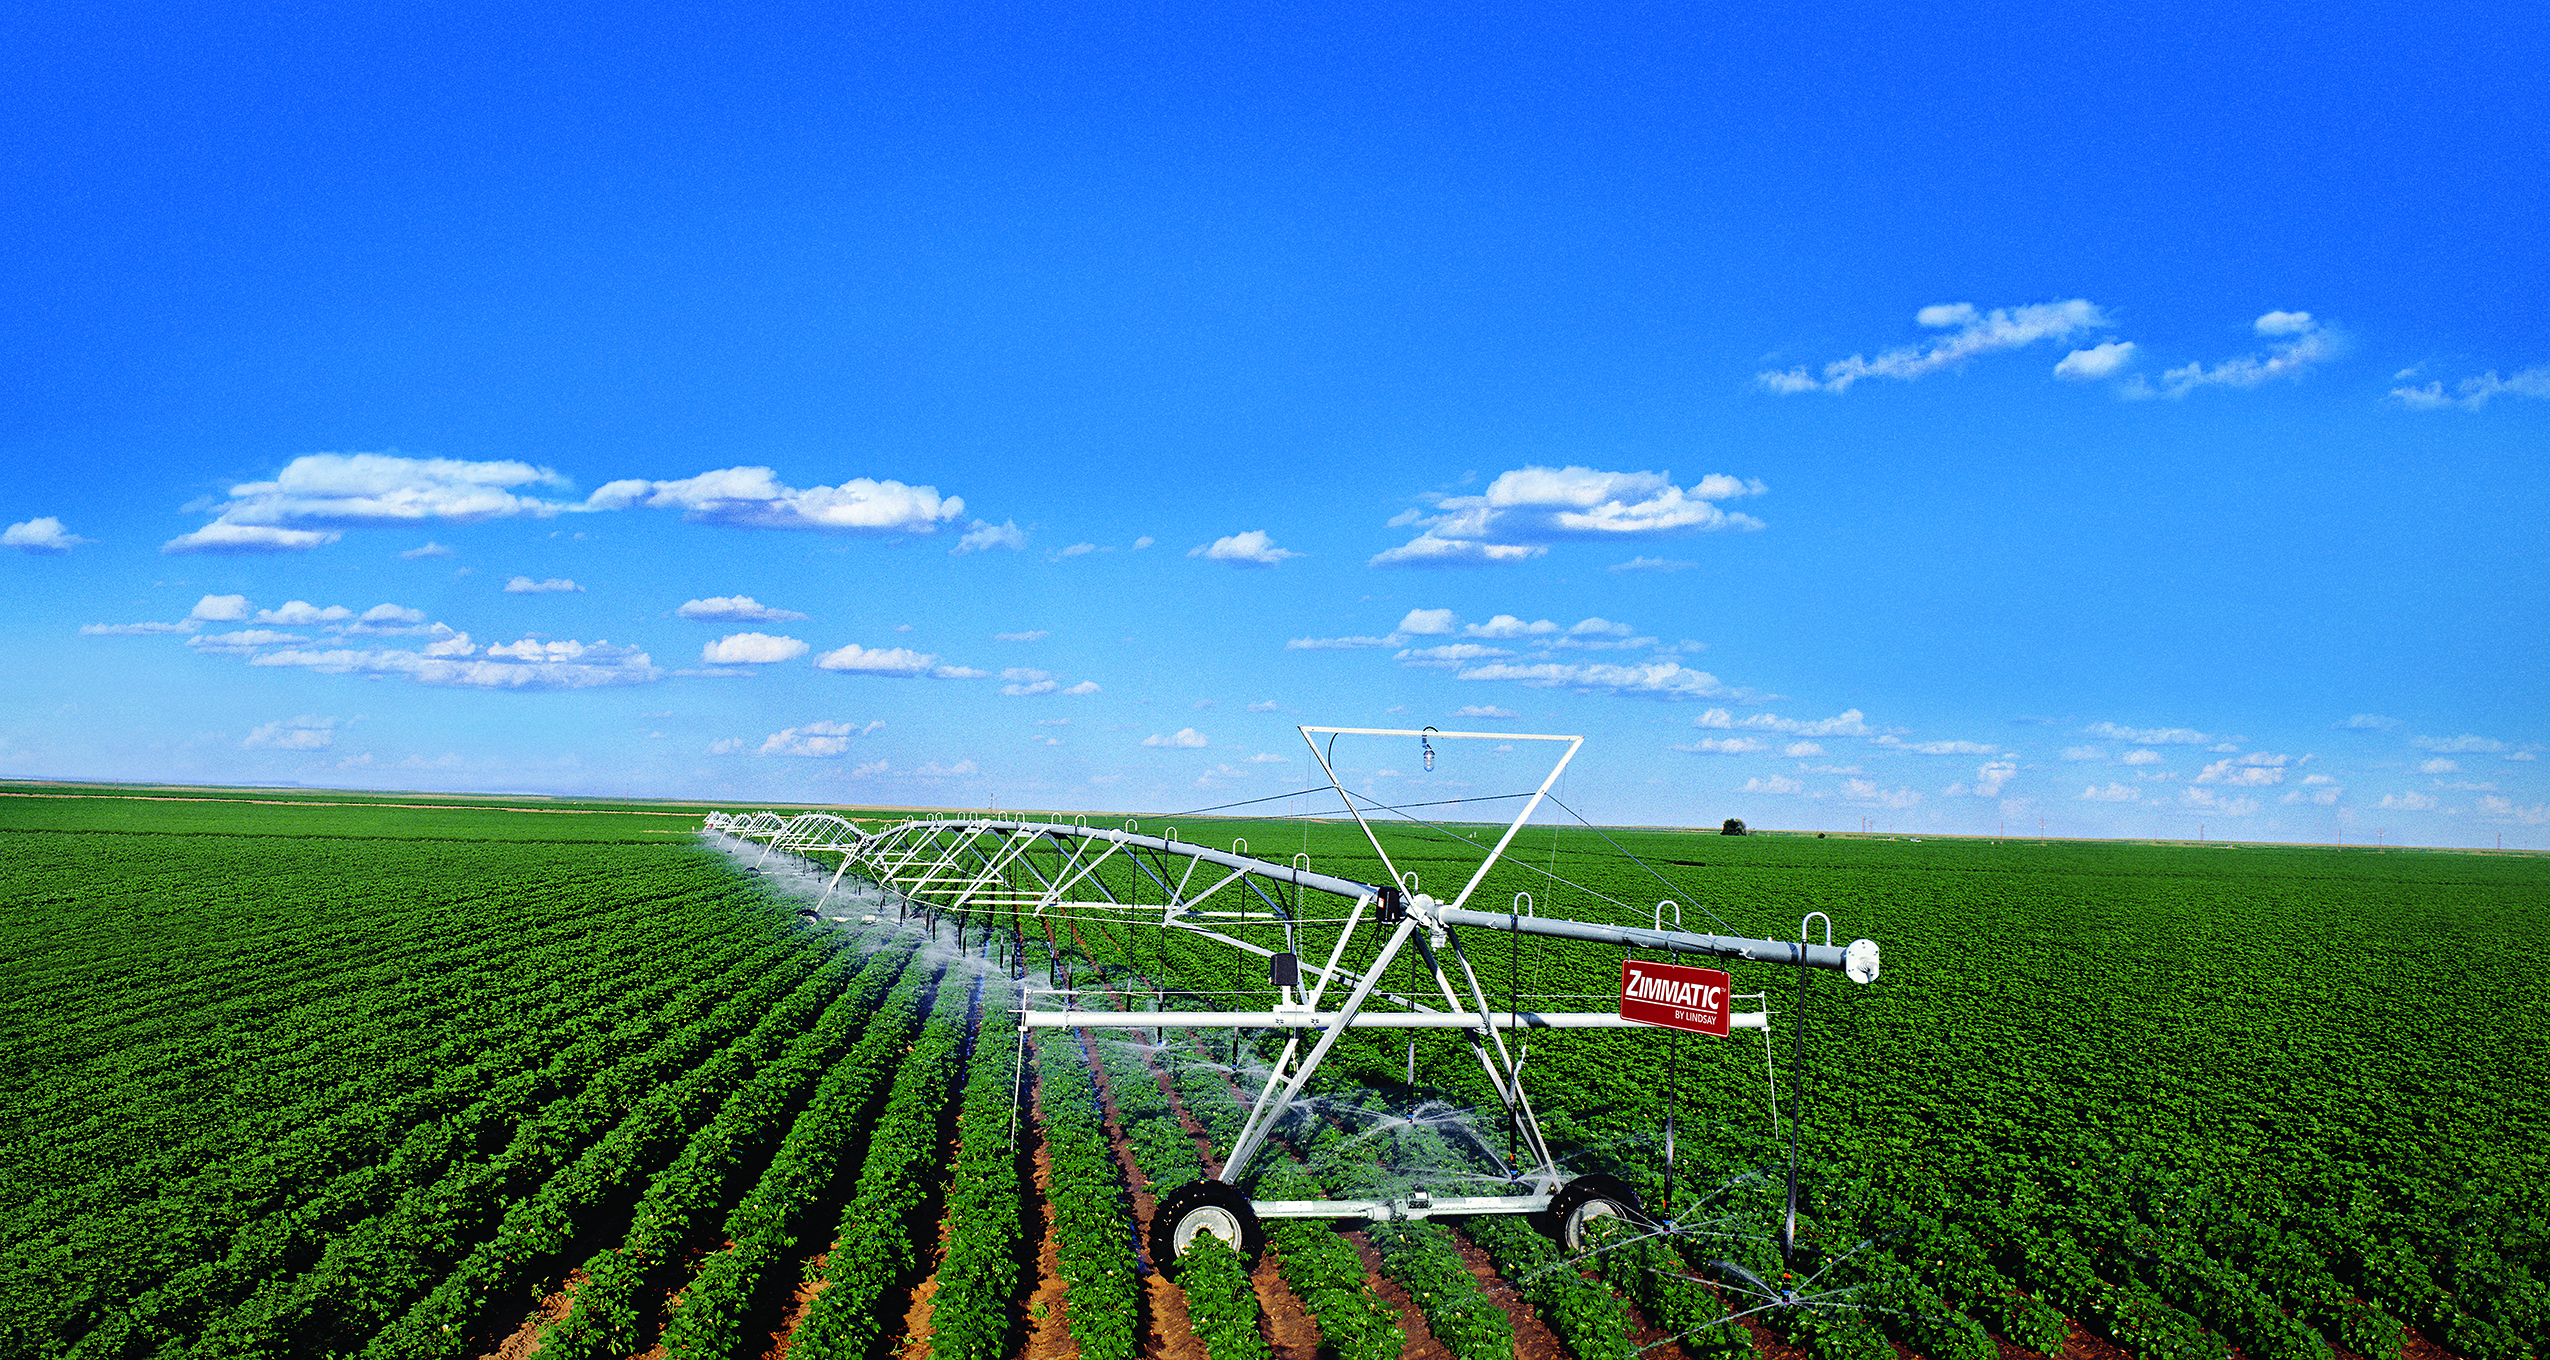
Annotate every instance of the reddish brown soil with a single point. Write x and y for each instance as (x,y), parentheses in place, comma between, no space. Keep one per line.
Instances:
(1533,1340)
(1167,1333)
(1290,1332)
(525,1340)
(1048,1329)
(807,1292)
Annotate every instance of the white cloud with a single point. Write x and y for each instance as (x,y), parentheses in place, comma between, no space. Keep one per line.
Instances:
(1308,644)
(2492,806)
(385,613)
(754,498)
(1143,542)
(1265,758)
(2521,755)
(725,746)
(454,661)
(2144,757)
(341,490)
(983,536)
(2207,800)
(1022,673)
(734,609)
(1669,679)
(1988,781)
(1078,549)
(931,769)
(1777,783)
(1800,750)
(2084,753)
(241,642)
(1449,654)
(1251,549)
(2472,393)
(816,740)
(1531,506)
(751,649)
(2465,744)
(1939,748)
(1037,635)
(1084,687)
(1262,706)
(1428,623)
(2307,344)
(305,733)
(2324,797)
(901,662)
(1484,711)
(1847,723)
(524,585)
(872,767)
(1726,746)
(2112,793)
(1654,564)
(1974,333)
(2098,361)
(431,549)
(1021,689)
(2256,770)
(2148,736)
(223,537)
(40,535)
(1866,793)
(2409,802)
(303,614)
(2369,722)
(145,629)
(1186,738)
(220,609)
(2439,765)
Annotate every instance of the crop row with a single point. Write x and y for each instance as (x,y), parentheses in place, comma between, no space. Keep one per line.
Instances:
(1086,1195)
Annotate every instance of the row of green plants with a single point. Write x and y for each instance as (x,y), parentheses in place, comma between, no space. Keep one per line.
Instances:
(1092,1214)
(607,1317)
(971,1313)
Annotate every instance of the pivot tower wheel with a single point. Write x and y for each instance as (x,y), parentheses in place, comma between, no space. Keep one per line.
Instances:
(1586,1200)
(1215,1207)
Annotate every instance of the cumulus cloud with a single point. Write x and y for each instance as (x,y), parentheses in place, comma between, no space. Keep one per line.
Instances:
(1777,783)
(1449,654)
(2112,793)
(2472,393)
(1022,688)
(1251,549)
(431,549)
(1938,748)
(303,614)
(2148,736)
(2439,765)
(1800,750)
(1867,793)
(2142,757)
(1484,711)
(144,629)
(452,660)
(1262,706)
(308,732)
(755,498)
(1653,564)
(2306,344)
(1037,635)
(524,585)
(1726,746)
(2207,800)
(983,536)
(345,490)
(1311,644)
(2497,808)
(2409,802)
(931,769)
(1184,738)
(900,662)
(1970,333)
(1084,687)
(751,649)
(2098,361)
(816,740)
(2084,753)
(1080,550)
(388,620)
(1847,723)
(43,535)
(734,609)
(221,537)
(1528,508)
(242,641)
(1665,679)
(2256,770)
(2465,744)
(2369,722)
(220,609)
(1988,781)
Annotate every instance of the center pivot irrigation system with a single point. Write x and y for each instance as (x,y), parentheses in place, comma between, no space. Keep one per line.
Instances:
(1012,873)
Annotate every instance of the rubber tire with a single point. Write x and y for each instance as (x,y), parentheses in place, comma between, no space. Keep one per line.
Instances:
(1204,1206)
(1589,1197)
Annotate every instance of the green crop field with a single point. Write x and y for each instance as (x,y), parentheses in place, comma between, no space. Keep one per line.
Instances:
(328,1074)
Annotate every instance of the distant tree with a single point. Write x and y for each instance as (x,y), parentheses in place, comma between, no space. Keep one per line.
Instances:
(1734,827)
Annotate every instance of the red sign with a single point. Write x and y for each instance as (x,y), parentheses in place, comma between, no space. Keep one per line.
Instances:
(1672,995)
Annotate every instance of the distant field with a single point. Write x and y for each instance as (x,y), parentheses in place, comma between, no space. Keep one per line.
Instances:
(293,1078)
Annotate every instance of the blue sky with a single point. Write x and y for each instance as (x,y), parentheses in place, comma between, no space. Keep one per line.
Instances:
(2134,420)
